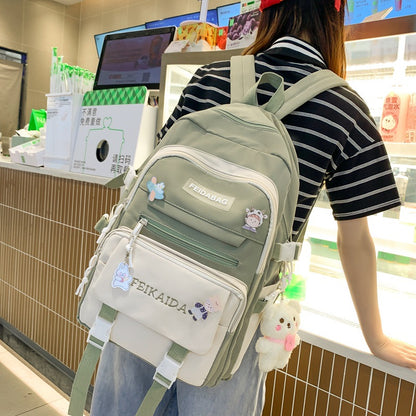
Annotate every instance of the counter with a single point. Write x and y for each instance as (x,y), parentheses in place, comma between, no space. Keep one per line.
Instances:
(6,163)
(47,236)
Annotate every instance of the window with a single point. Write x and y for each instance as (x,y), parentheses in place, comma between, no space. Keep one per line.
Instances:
(394,231)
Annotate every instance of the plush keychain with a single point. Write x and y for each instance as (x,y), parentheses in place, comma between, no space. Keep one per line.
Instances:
(279,327)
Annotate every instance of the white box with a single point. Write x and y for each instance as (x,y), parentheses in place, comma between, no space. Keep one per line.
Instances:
(31,153)
(116,130)
(63,111)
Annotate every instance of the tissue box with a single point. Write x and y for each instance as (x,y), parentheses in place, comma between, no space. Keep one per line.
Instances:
(198,33)
(117,129)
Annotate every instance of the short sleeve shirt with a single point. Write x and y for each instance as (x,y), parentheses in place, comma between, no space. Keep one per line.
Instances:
(336,140)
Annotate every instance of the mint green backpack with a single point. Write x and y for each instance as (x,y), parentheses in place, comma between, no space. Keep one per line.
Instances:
(194,249)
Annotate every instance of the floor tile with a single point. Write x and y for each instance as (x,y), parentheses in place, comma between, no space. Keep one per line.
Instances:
(24,391)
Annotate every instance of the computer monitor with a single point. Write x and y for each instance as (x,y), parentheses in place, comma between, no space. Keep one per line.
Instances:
(99,38)
(133,58)
(225,12)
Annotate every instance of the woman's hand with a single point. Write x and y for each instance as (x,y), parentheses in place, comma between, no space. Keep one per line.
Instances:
(396,352)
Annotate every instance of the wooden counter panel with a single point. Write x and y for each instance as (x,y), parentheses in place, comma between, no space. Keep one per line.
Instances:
(326,384)
(46,240)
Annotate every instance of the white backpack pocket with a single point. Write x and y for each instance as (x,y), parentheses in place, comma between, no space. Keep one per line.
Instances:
(165,294)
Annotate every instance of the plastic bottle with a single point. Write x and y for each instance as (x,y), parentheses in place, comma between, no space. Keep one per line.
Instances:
(394,116)
(411,120)
(401,181)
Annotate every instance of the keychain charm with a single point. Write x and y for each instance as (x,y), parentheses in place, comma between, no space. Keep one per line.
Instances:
(122,277)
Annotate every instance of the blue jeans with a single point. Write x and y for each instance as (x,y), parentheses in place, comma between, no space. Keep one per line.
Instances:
(123,380)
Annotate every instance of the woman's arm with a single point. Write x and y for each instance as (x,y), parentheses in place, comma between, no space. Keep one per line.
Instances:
(357,252)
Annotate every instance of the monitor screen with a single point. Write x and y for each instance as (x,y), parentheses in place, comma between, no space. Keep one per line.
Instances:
(99,38)
(225,12)
(133,58)
(177,20)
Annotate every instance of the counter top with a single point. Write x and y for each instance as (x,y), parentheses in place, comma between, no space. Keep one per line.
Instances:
(329,320)
(347,341)
(5,162)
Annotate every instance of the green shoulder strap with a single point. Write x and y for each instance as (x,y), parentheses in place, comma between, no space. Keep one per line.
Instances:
(165,375)
(307,88)
(98,336)
(242,76)
(303,91)
(283,102)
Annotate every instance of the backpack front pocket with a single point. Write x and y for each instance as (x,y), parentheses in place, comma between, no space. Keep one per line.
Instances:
(167,292)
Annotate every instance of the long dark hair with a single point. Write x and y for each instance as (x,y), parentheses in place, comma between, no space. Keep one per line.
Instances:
(318,21)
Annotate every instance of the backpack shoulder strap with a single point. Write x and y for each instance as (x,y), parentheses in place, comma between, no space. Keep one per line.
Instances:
(242,76)
(307,88)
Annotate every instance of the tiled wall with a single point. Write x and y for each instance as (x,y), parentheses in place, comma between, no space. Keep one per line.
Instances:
(34,27)
(317,382)
(46,240)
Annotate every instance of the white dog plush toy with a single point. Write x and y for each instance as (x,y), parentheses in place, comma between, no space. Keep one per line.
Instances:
(279,328)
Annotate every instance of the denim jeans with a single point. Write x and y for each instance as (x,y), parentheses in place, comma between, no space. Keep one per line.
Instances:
(123,380)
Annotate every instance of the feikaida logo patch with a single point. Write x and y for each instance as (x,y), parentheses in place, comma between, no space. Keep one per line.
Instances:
(158,295)
(208,196)
(122,279)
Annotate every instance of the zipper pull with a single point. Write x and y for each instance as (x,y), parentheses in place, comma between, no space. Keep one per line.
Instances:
(138,228)
(130,245)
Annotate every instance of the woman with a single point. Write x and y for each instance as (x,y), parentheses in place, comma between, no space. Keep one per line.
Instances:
(338,145)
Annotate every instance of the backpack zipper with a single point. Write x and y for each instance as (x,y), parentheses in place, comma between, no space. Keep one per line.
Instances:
(249,123)
(229,171)
(181,241)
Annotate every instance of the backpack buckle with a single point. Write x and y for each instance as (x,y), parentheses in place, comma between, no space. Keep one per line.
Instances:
(288,251)
(167,371)
(99,334)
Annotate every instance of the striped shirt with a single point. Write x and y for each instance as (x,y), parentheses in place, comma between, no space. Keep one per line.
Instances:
(335,137)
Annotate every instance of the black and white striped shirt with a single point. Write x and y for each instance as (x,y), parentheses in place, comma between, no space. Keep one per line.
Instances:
(336,140)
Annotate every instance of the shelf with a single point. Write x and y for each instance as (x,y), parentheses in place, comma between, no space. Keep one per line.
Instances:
(401,149)
(381,28)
